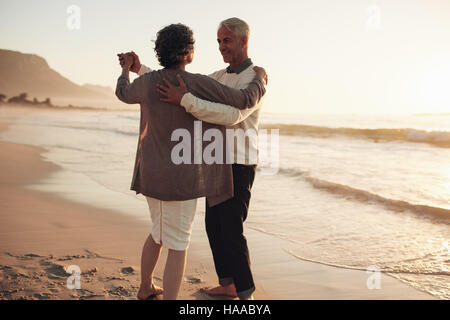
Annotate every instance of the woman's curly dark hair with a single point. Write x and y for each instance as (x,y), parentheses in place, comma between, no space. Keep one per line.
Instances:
(172,43)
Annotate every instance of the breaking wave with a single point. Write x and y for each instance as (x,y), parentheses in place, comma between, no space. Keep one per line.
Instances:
(443,215)
(435,138)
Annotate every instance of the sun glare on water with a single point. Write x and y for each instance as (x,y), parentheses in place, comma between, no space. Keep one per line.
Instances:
(435,90)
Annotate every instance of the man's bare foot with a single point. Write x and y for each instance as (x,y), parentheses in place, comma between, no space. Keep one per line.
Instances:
(146,292)
(229,291)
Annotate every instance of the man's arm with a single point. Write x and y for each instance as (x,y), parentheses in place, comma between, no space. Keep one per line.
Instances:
(214,112)
(211,90)
(219,113)
(143,70)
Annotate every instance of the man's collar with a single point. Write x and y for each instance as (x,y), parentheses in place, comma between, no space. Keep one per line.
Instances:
(238,69)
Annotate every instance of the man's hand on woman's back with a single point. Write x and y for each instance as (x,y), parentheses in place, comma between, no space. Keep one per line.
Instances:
(172,94)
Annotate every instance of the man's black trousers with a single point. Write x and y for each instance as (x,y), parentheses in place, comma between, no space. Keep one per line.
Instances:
(224,227)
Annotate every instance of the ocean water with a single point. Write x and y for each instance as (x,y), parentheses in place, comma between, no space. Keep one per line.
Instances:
(351,191)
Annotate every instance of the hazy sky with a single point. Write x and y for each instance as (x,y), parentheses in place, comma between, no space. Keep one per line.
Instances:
(333,56)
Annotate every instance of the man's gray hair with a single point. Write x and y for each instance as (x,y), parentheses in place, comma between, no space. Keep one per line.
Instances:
(237,26)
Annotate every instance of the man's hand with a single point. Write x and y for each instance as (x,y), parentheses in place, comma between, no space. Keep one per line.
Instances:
(136,65)
(172,94)
(262,73)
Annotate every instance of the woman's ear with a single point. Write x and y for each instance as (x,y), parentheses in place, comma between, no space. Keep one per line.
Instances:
(188,57)
(181,58)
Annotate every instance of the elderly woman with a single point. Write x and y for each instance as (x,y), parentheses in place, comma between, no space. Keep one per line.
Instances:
(172,188)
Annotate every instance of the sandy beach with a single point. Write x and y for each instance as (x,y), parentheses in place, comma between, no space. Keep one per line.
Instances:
(42,234)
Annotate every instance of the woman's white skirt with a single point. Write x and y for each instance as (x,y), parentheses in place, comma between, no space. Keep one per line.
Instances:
(172,222)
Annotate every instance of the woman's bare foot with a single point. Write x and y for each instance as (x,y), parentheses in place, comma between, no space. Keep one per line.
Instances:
(146,292)
(229,291)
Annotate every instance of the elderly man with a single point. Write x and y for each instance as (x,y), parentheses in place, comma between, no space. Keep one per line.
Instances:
(224,221)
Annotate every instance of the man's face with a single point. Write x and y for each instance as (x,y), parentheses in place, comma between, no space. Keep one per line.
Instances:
(231,47)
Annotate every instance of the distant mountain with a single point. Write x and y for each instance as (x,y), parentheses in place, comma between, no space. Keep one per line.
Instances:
(30,73)
(100,89)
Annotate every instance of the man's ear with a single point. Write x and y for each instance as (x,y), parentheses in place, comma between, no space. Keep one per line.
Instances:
(244,42)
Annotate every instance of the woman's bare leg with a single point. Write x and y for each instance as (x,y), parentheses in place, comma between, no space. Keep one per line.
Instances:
(149,259)
(173,273)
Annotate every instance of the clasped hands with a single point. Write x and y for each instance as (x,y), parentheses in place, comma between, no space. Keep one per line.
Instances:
(130,61)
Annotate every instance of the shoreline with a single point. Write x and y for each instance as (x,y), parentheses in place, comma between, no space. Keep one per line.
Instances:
(19,106)
(106,244)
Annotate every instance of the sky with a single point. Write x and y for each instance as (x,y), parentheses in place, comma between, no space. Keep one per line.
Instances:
(322,56)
